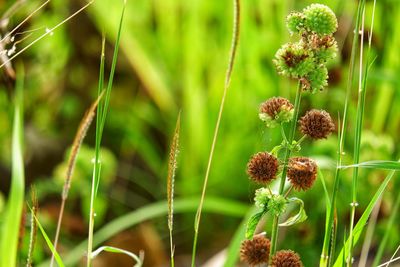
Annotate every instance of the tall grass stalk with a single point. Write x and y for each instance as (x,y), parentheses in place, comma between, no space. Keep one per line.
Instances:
(288,151)
(235,41)
(102,110)
(13,211)
(172,165)
(359,119)
(326,257)
(78,140)
(33,230)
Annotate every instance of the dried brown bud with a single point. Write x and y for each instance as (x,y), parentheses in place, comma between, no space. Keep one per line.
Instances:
(255,251)
(275,105)
(302,172)
(286,258)
(262,167)
(317,124)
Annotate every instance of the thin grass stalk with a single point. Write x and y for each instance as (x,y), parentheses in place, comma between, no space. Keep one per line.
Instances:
(369,234)
(172,165)
(100,122)
(288,151)
(234,45)
(23,21)
(359,119)
(33,232)
(76,145)
(392,259)
(46,33)
(325,256)
(388,228)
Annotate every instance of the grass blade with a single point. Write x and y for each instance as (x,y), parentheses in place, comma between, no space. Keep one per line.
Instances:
(13,212)
(48,242)
(221,206)
(139,261)
(376,164)
(101,119)
(172,165)
(363,220)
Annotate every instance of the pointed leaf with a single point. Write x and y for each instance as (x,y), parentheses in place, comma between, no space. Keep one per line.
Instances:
(252,224)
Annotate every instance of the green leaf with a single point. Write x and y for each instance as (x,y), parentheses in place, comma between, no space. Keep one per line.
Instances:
(138,260)
(49,243)
(363,220)
(252,224)
(376,164)
(216,205)
(301,216)
(14,205)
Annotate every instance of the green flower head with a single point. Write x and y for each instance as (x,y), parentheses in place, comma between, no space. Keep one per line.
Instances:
(320,19)
(262,197)
(316,80)
(276,110)
(293,60)
(277,205)
(295,22)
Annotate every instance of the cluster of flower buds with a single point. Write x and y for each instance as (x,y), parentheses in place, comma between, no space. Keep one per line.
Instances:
(306,59)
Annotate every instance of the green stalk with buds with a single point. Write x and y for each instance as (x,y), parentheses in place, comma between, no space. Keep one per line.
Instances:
(304,61)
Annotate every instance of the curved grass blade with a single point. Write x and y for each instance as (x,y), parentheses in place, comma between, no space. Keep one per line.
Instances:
(48,242)
(216,205)
(139,260)
(13,211)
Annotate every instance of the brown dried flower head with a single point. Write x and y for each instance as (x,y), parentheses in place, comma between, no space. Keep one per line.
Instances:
(302,172)
(262,167)
(255,251)
(317,124)
(286,258)
(274,105)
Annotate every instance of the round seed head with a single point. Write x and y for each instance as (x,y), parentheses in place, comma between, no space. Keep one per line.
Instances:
(302,172)
(316,80)
(276,110)
(320,19)
(286,258)
(293,60)
(317,124)
(262,167)
(295,22)
(255,251)
(324,47)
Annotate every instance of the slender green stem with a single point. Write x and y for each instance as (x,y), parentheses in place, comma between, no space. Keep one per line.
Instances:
(274,231)
(234,45)
(172,248)
(325,257)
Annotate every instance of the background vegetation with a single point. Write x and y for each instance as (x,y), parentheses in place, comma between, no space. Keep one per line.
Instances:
(173,58)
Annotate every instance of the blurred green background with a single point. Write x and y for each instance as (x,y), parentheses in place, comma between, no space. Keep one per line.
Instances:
(173,58)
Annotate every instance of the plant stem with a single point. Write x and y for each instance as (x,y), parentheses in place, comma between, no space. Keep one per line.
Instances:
(274,231)
(234,45)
